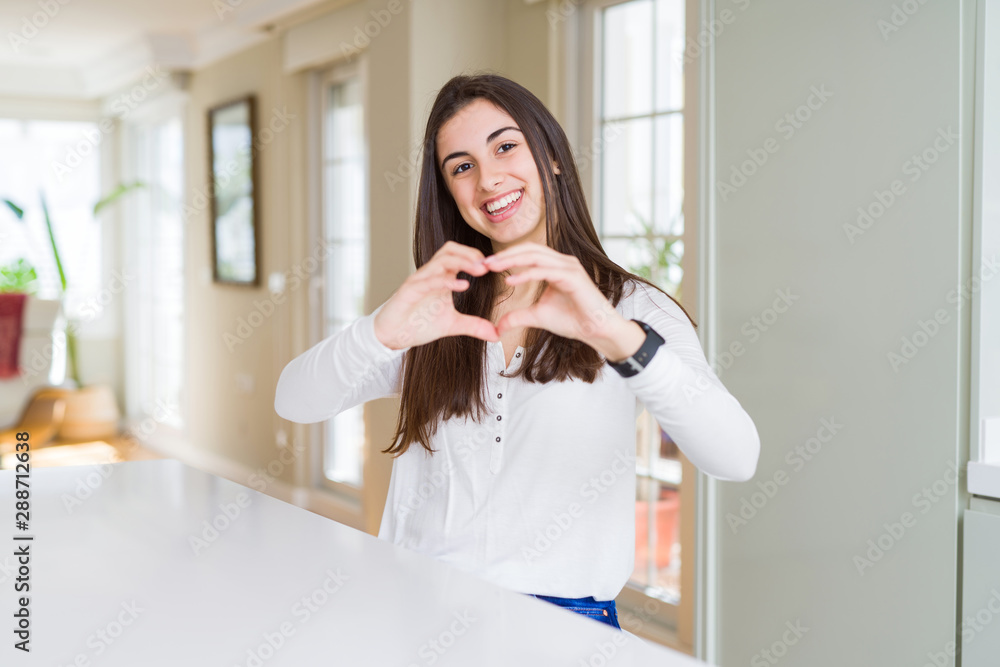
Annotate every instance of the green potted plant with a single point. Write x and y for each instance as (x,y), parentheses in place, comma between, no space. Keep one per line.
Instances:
(91,410)
(18,277)
(663,252)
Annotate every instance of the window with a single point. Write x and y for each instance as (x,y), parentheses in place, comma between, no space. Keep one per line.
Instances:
(153,238)
(631,84)
(62,160)
(345,231)
(980,287)
(640,120)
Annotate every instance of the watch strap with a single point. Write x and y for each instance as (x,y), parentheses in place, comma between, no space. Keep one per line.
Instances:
(632,365)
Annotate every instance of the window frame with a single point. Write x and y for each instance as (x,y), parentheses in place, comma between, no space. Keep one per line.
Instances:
(352,496)
(676,626)
(170,106)
(983,474)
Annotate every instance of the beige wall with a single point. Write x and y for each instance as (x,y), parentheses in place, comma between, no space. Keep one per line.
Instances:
(222,420)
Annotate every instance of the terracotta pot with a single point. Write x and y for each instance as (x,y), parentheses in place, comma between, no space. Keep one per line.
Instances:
(91,412)
(666,527)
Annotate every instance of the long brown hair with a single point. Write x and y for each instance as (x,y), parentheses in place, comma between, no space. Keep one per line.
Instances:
(447,377)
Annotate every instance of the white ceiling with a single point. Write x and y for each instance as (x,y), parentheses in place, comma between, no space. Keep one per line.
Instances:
(87,48)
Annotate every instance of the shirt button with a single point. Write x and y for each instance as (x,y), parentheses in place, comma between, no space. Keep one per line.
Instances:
(498,438)
(518,354)
(498,417)
(499,395)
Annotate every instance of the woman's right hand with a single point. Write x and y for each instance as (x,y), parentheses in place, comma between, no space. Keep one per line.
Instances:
(422,309)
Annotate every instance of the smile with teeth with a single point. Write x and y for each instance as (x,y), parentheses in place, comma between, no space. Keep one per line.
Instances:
(502,204)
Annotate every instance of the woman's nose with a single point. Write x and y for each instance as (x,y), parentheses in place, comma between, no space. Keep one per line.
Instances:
(489,180)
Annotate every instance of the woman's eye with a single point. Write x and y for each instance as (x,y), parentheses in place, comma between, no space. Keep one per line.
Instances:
(458,170)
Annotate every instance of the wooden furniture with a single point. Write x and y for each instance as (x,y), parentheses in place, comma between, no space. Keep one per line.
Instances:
(41,419)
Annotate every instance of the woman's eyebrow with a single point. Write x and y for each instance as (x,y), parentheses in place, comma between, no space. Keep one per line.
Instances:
(493,135)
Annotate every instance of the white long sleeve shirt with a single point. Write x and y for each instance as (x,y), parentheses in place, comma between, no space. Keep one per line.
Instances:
(540,497)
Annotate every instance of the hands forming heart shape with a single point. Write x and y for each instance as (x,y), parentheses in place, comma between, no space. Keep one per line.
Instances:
(572,306)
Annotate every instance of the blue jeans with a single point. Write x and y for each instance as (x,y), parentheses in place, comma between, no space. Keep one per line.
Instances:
(603,612)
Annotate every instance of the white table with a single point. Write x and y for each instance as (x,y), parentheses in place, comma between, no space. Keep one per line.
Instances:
(116,580)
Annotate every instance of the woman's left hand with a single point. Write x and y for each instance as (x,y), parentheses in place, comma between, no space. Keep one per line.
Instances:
(571,306)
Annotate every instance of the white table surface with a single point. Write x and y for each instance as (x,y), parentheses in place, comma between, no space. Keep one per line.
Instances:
(112,556)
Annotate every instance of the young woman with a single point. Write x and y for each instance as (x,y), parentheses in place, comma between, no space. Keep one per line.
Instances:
(522,356)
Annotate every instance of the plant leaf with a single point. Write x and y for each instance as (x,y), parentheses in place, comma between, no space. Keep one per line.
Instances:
(52,240)
(117,193)
(18,211)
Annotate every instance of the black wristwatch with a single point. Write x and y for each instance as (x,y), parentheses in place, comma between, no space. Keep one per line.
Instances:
(639,360)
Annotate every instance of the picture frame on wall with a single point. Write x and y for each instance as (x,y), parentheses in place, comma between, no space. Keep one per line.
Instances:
(232,169)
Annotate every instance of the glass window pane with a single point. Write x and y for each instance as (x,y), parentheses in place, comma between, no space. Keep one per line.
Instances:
(61,159)
(345,269)
(657,539)
(344,197)
(628,59)
(669,54)
(626,197)
(656,259)
(343,464)
(633,255)
(669,185)
(343,138)
(345,285)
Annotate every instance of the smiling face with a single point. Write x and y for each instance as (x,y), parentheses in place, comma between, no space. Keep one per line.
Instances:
(491,174)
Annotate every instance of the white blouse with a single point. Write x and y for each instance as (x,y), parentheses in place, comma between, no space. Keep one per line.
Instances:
(540,497)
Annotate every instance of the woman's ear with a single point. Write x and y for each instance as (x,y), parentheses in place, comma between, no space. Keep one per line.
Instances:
(555,168)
